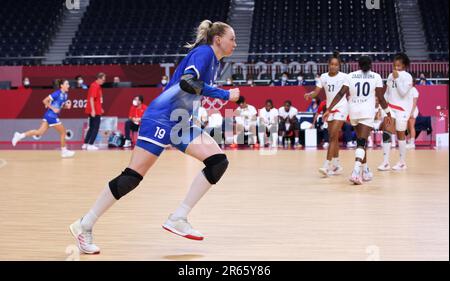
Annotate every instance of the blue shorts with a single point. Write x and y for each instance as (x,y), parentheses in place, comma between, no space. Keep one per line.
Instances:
(51,119)
(155,136)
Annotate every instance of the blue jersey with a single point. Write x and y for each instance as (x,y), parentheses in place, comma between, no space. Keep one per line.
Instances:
(58,98)
(204,65)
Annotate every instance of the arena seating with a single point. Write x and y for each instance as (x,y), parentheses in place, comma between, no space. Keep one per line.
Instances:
(435,21)
(141,27)
(291,26)
(26,29)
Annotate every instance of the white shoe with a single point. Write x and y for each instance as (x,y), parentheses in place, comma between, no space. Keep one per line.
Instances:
(67,153)
(326,172)
(367,175)
(399,166)
(181,227)
(17,137)
(356,177)
(84,238)
(370,145)
(127,144)
(84,146)
(384,167)
(351,144)
(325,145)
(337,170)
(92,147)
(411,146)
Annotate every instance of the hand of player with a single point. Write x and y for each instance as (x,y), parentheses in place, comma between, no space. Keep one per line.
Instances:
(307,96)
(388,123)
(395,73)
(234,94)
(92,113)
(103,111)
(325,116)
(68,104)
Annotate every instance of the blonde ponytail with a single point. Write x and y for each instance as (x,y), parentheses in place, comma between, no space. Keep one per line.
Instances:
(206,31)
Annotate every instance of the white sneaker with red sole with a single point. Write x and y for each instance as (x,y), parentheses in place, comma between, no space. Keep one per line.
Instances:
(367,175)
(84,239)
(384,167)
(326,172)
(356,177)
(181,227)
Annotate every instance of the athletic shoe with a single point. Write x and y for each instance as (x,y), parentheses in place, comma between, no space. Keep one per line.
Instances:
(367,175)
(411,146)
(351,144)
(181,227)
(92,147)
(356,177)
(84,146)
(256,146)
(67,153)
(325,145)
(399,166)
(337,170)
(384,167)
(325,172)
(233,145)
(127,144)
(84,238)
(17,137)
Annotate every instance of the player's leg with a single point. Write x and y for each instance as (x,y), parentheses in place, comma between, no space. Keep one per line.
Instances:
(362,134)
(412,132)
(239,128)
(65,153)
(334,128)
(38,132)
(205,149)
(296,125)
(387,143)
(400,127)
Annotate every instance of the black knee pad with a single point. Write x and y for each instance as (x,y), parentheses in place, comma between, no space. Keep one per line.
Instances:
(387,137)
(124,183)
(361,143)
(216,165)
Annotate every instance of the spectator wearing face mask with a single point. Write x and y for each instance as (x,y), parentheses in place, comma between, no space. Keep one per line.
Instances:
(80,83)
(283,80)
(423,80)
(250,82)
(300,81)
(164,81)
(137,109)
(116,81)
(26,84)
(229,82)
(313,106)
(246,116)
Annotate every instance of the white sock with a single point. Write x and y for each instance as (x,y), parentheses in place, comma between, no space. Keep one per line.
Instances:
(402,149)
(274,138)
(198,188)
(255,140)
(386,152)
(64,148)
(326,164)
(261,138)
(412,141)
(336,161)
(357,165)
(280,139)
(104,201)
(235,139)
(393,139)
(296,140)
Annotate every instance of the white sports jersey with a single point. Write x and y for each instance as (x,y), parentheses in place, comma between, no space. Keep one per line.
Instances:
(283,114)
(398,92)
(332,86)
(362,87)
(245,115)
(268,117)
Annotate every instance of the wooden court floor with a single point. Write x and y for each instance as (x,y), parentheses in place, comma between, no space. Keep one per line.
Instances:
(266,207)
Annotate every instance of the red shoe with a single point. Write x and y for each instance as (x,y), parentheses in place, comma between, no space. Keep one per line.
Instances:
(256,145)
(233,145)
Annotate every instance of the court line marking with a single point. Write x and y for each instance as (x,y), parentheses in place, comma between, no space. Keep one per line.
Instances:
(3,163)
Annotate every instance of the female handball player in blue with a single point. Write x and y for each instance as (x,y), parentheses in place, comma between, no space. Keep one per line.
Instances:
(54,103)
(167,122)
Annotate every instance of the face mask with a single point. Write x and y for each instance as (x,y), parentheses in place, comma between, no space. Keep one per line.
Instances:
(228,82)
(284,78)
(164,81)
(80,81)
(300,78)
(135,103)
(249,82)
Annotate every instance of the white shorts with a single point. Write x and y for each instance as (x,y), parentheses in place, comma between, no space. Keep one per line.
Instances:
(339,114)
(365,121)
(401,119)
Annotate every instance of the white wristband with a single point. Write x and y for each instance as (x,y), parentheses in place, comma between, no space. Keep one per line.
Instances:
(387,110)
